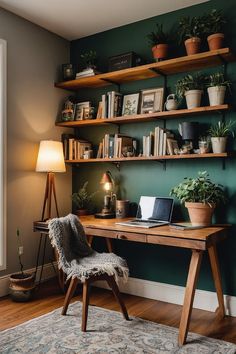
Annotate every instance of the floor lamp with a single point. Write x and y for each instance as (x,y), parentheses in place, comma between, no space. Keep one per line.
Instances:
(50,160)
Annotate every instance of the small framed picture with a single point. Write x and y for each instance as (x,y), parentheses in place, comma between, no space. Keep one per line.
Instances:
(130,104)
(81,109)
(152,100)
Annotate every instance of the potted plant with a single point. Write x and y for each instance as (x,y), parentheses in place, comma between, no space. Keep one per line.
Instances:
(219,134)
(89,59)
(82,200)
(200,196)
(190,30)
(22,284)
(191,86)
(159,42)
(216,87)
(214,29)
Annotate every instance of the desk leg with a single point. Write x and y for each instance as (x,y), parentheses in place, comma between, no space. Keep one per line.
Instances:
(109,245)
(90,239)
(193,272)
(217,279)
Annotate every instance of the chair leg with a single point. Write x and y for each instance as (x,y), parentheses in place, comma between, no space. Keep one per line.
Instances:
(69,295)
(85,306)
(114,287)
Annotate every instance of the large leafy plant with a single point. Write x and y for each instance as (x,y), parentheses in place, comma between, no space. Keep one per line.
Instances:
(191,27)
(199,190)
(214,22)
(221,129)
(159,36)
(190,82)
(82,199)
(217,79)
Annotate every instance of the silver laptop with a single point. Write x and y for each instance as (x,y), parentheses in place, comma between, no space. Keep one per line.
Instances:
(152,212)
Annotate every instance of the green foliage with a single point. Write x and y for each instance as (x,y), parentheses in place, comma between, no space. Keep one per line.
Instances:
(214,22)
(191,27)
(217,79)
(82,199)
(158,37)
(89,58)
(221,129)
(190,82)
(199,190)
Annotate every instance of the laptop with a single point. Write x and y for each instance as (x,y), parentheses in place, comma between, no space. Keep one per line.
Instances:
(152,212)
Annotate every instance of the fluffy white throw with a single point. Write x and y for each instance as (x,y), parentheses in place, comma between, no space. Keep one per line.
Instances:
(76,257)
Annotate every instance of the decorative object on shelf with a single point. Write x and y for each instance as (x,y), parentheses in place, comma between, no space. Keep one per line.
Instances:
(50,160)
(189,133)
(152,100)
(86,73)
(68,72)
(204,144)
(191,86)
(130,104)
(124,61)
(200,196)
(159,41)
(191,30)
(22,285)
(215,22)
(171,103)
(68,111)
(109,199)
(83,201)
(216,88)
(82,110)
(122,208)
(219,134)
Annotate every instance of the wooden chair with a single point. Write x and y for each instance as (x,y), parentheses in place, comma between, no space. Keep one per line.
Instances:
(70,292)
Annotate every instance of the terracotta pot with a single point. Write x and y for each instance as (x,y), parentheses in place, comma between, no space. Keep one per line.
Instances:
(216,95)
(192,45)
(81,212)
(218,144)
(215,41)
(200,214)
(21,286)
(193,98)
(160,51)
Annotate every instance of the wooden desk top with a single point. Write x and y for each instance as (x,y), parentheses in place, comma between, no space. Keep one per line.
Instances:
(202,238)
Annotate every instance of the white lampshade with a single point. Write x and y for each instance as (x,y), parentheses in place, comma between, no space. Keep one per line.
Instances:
(50,157)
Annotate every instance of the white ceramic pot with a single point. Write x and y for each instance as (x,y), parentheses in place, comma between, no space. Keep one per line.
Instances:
(216,95)
(193,98)
(218,144)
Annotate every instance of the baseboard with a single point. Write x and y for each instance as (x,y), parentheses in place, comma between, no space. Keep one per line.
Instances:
(204,300)
(48,272)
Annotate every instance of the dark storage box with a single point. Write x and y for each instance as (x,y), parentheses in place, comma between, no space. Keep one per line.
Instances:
(124,61)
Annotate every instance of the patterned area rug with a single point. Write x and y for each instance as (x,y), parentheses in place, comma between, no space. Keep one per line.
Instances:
(107,332)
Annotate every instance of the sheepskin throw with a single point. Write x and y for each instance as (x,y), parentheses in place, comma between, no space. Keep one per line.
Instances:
(76,257)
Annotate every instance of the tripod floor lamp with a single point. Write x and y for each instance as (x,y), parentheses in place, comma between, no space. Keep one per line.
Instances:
(50,160)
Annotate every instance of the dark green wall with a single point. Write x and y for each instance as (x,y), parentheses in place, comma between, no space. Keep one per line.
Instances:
(159,263)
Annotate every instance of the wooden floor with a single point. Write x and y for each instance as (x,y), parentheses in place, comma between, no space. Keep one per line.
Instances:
(49,297)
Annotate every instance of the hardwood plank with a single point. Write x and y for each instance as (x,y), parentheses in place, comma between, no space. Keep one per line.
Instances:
(138,118)
(49,298)
(167,67)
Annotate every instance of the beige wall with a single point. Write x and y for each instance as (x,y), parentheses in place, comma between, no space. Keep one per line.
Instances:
(33,57)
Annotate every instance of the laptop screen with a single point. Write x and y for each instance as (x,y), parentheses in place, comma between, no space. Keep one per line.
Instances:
(155,208)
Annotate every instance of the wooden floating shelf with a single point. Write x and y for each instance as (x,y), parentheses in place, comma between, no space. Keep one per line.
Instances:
(152,158)
(145,117)
(166,67)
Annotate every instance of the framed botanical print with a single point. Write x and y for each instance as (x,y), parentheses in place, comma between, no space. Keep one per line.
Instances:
(130,104)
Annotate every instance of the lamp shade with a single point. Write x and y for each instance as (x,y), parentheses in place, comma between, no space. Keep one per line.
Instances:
(50,157)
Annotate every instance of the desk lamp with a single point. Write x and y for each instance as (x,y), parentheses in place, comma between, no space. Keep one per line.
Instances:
(50,160)
(108,208)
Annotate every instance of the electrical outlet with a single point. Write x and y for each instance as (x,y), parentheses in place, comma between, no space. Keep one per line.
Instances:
(21,250)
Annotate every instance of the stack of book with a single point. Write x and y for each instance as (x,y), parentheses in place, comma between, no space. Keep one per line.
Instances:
(74,148)
(116,145)
(111,104)
(86,72)
(159,143)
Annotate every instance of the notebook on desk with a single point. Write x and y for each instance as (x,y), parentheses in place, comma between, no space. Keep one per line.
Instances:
(152,212)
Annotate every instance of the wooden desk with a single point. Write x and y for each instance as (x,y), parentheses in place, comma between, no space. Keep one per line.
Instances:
(197,240)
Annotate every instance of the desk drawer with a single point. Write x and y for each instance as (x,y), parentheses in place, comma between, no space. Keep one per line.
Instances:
(131,236)
(101,233)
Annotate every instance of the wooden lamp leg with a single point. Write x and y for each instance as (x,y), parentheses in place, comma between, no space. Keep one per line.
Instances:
(49,191)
